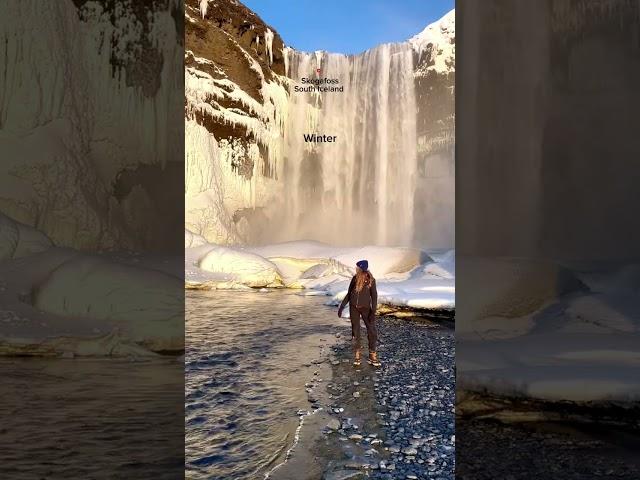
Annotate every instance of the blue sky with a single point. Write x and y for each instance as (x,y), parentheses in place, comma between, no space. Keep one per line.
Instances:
(347,26)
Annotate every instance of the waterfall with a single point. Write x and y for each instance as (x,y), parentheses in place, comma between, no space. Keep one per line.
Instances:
(361,188)
(387,175)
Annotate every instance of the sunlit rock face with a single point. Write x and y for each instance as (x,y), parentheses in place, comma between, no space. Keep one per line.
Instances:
(252,178)
(90,148)
(235,98)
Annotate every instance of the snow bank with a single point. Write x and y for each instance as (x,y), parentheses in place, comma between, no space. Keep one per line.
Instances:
(143,303)
(63,302)
(383,261)
(236,266)
(443,265)
(419,292)
(407,277)
(551,332)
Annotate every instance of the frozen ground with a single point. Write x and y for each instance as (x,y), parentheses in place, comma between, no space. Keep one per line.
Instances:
(407,278)
(548,331)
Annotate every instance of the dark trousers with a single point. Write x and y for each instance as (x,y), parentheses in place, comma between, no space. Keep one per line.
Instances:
(369,317)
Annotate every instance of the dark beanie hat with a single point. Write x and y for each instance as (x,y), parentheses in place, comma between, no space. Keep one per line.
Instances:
(363,264)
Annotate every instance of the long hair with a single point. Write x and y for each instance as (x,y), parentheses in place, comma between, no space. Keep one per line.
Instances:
(363,278)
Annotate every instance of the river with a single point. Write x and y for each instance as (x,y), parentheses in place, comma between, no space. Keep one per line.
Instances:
(249,355)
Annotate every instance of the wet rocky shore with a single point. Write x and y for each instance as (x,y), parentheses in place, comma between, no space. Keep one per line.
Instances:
(397,421)
(522,438)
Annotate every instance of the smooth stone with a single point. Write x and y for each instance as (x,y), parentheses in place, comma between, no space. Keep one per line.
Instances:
(334,424)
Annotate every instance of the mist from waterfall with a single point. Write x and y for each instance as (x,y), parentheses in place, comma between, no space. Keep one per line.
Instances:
(360,189)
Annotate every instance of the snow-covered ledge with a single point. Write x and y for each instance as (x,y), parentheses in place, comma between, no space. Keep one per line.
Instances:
(408,279)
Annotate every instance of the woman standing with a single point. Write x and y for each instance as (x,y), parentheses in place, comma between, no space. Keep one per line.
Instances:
(362,297)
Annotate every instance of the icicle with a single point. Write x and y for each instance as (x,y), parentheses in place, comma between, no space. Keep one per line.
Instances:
(319,54)
(203,7)
(268,42)
(285,55)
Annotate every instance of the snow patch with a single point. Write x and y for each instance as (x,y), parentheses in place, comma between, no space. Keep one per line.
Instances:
(440,37)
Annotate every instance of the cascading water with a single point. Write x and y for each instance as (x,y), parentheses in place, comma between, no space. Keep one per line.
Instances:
(360,188)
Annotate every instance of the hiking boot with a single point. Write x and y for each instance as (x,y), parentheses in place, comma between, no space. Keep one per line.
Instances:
(356,358)
(373,359)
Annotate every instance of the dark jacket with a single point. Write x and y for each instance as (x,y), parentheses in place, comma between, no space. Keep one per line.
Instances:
(366,298)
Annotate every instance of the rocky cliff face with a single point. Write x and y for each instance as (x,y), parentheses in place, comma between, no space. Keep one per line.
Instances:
(435,99)
(239,114)
(235,94)
(550,93)
(90,141)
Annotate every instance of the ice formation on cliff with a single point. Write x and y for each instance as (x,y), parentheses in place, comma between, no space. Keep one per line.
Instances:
(88,98)
(203,7)
(268,42)
(67,145)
